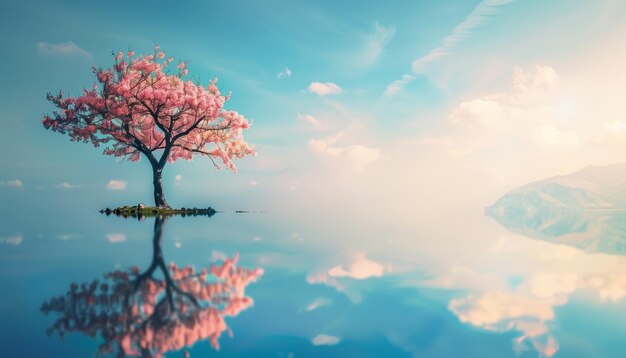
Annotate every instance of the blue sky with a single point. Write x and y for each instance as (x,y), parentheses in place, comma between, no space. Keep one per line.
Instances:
(496,92)
(375,124)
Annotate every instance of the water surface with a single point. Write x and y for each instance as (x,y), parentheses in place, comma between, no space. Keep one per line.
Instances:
(470,288)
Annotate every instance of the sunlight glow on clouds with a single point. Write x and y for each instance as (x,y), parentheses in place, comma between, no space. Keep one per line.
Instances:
(116,184)
(500,312)
(324,89)
(528,101)
(525,112)
(553,136)
(612,132)
(354,156)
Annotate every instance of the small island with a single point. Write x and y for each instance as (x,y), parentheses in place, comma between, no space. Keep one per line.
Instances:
(141,211)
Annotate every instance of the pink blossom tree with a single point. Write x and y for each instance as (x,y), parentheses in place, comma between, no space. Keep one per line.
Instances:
(137,108)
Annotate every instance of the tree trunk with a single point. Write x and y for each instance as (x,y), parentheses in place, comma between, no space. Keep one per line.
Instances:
(159,196)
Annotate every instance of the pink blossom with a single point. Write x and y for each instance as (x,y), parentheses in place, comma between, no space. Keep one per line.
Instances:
(136,104)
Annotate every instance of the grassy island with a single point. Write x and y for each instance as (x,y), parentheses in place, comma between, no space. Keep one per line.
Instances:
(142,210)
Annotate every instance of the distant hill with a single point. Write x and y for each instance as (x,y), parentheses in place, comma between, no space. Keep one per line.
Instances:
(586,209)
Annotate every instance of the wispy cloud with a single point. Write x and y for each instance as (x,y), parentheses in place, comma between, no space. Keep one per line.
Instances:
(325,340)
(284,73)
(312,120)
(324,89)
(115,238)
(64,48)
(462,31)
(67,236)
(375,43)
(317,303)
(14,183)
(14,240)
(116,184)
(397,86)
(66,185)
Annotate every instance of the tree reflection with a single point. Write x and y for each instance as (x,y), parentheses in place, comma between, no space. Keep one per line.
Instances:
(138,314)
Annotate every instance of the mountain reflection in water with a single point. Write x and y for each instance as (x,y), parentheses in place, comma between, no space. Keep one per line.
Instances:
(589,230)
(138,314)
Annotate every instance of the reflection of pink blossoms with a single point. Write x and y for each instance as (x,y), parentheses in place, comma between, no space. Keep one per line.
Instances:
(137,108)
(139,315)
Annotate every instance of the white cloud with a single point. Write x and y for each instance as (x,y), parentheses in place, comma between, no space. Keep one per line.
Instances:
(354,267)
(14,240)
(14,183)
(375,44)
(115,238)
(528,101)
(526,112)
(284,73)
(325,340)
(66,185)
(354,156)
(64,48)
(397,86)
(500,312)
(116,184)
(324,89)
(460,32)
(359,268)
(612,132)
(178,177)
(317,303)
(254,183)
(615,127)
(312,120)
(550,135)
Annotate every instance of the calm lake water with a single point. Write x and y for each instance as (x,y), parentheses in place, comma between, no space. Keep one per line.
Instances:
(459,286)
